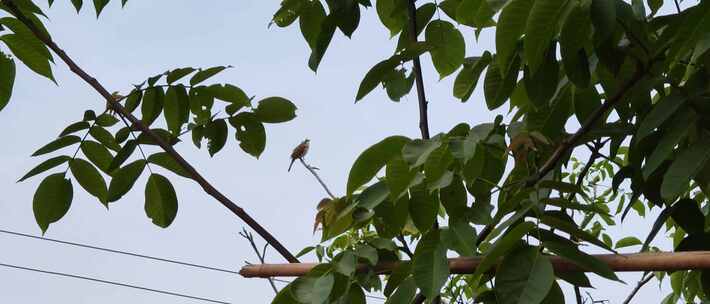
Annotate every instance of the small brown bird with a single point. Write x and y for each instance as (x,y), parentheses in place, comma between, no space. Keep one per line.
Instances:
(299,152)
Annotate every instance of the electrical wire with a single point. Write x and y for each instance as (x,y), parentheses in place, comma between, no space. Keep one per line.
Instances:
(139,256)
(112,283)
(119,252)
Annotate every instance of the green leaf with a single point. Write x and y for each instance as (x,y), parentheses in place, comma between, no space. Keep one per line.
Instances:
(166,161)
(467,79)
(542,85)
(686,214)
(89,178)
(373,195)
(250,133)
(52,200)
(511,26)
(45,165)
(345,263)
(368,253)
(230,93)
(405,291)
(312,289)
(275,110)
(562,222)
(397,84)
(430,267)
(216,134)
(347,14)
(540,29)
(524,276)
(124,179)
(77,4)
(502,246)
(573,39)
(393,14)
(603,16)
(160,200)
(628,241)
(448,45)
(205,74)
(97,154)
(463,237)
(688,163)
(372,160)
(310,20)
(27,47)
(498,85)
(423,208)
(416,152)
(132,101)
(555,296)
(568,250)
(397,278)
(399,177)
(99,6)
(178,74)
(104,137)
(31,57)
(675,133)
(75,127)
(475,13)
(152,105)
(662,110)
(7,79)
(173,110)
(324,37)
(376,75)
(106,120)
(57,144)
(586,101)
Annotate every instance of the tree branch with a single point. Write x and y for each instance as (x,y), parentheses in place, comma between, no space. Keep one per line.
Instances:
(262,256)
(644,279)
(635,262)
(421,95)
(96,85)
(570,142)
(313,171)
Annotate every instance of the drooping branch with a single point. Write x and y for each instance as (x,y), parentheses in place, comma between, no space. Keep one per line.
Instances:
(115,105)
(417,70)
(649,261)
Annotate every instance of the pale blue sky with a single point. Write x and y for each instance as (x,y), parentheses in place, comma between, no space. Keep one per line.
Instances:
(148,37)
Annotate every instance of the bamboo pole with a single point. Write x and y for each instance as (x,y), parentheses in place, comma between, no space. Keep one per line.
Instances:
(657,261)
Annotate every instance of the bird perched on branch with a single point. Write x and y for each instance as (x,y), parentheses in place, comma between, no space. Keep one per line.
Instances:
(299,152)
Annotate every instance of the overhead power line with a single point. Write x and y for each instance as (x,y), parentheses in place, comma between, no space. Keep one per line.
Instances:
(116,251)
(119,252)
(112,283)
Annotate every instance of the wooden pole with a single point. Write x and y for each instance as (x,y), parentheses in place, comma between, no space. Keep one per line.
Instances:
(658,261)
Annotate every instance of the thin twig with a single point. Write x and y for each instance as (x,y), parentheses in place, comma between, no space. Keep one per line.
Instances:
(578,295)
(96,85)
(421,95)
(644,279)
(249,237)
(313,171)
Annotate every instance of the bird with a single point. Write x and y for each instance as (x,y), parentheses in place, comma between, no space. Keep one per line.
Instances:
(299,152)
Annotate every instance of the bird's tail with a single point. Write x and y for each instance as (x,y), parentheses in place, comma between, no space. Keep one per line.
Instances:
(291,165)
